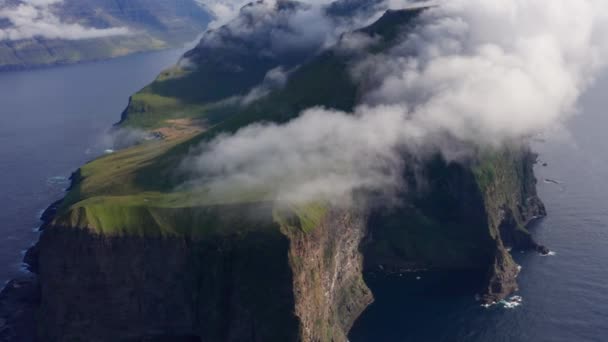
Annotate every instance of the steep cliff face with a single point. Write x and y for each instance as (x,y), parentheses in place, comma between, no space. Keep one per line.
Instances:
(122,288)
(508,186)
(461,216)
(328,281)
(287,282)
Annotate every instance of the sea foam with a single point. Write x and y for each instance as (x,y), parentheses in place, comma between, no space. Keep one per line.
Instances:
(510,303)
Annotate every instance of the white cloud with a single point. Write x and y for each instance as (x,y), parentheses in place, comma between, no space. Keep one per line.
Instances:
(276,27)
(226,10)
(35,18)
(478,71)
(274,79)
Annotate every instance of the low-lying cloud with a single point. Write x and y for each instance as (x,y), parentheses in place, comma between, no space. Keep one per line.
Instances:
(475,71)
(283,27)
(226,10)
(275,79)
(35,18)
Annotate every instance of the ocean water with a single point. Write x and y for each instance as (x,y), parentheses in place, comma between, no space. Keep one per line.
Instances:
(563,297)
(51,122)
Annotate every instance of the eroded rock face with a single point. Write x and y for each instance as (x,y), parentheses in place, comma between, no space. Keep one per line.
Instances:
(328,282)
(281,285)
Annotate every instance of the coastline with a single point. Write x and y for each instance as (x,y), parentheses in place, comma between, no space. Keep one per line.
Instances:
(181,45)
(20,296)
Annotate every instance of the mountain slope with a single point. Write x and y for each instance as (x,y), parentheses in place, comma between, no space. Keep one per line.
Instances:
(151,25)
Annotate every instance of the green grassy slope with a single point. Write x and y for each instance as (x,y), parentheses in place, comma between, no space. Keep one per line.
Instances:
(134,190)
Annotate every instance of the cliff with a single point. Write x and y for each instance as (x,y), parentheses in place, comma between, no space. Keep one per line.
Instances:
(462,216)
(272,284)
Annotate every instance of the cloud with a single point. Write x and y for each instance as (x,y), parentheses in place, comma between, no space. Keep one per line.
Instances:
(118,138)
(35,18)
(321,154)
(474,73)
(226,10)
(274,79)
(277,28)
(278,35)
(289,25)
(490,72)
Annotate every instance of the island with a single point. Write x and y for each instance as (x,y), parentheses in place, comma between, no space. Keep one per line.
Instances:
(131,254)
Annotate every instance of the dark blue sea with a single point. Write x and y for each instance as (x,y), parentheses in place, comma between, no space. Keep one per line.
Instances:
(53,120)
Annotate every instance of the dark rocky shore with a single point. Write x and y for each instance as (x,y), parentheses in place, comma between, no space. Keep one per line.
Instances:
(20,297)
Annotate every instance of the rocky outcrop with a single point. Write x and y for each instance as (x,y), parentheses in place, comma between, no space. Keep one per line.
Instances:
(508,186)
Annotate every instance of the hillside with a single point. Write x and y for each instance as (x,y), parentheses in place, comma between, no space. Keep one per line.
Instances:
(168,105)
(147,25)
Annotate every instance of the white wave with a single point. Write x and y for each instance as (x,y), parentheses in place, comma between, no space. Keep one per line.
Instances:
(551,253)
(512,302)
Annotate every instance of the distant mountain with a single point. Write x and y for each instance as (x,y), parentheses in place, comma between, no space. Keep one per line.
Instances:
(69,31)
